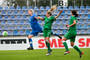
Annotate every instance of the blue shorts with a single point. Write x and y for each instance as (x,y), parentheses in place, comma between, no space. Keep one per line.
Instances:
(34,33)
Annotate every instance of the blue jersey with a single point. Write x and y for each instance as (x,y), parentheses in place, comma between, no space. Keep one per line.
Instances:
(34,24)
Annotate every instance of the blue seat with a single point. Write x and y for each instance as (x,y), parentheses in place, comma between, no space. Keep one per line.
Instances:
(83,16)
(70,7)
(0,17)
(24,16)
(6,17)
(41,8)
(3,12)
(10,32)
(1,8)
(24,7)
(88,26)
(86,12)
(21,32)
(64,8)
(82,7)
(76,8)
(47,7)
(30,7)
(11,7)
(15,12)
(15,32)
(21,12)
(9,22)
(9,12)
(87,7)
(88,31)
(64,31)
(88,16)
(12,16)
(15,21)
(18,7)
(35,8)
(27,32)
(58,32)
(59,8)
(26,12)
(18,16)
(6,8)
(69,12)
(2,22)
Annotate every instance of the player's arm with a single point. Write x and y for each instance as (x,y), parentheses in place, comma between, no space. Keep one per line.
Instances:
(59,14)
(40,18)
(74,22)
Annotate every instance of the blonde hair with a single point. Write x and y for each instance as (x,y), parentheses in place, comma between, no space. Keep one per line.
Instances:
(31,10)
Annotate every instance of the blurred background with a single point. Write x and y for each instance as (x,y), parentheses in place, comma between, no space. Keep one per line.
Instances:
(39,3)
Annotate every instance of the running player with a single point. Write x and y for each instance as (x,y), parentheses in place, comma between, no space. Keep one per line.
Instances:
(71,34)
(49,19)
(35,27)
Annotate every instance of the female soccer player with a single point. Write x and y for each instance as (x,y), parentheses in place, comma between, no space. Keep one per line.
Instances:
(71,34)
(36,28)
(49,19)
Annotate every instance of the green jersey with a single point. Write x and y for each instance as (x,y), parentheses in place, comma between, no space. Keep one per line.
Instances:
(48,22)
(73,28)
(71,34)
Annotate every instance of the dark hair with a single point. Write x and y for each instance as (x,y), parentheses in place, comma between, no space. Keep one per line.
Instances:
(49,13)
(74,12)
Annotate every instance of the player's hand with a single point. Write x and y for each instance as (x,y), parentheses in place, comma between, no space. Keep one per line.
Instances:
(67,25)
(37,17)
(61,11)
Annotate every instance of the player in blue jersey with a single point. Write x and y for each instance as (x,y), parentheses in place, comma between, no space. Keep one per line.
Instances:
(36,28)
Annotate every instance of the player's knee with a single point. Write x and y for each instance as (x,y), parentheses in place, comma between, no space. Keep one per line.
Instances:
(72,44)
(47,40)
(64,39)
(29,36)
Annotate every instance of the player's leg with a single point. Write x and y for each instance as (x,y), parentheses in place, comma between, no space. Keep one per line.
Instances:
(30,42)
(47,38)
(76,47)
(30,39)
(66,36)
(56,35)
(48,45)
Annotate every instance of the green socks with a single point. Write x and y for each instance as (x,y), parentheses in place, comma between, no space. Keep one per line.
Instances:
(48,46)
(76,48)
(65,45)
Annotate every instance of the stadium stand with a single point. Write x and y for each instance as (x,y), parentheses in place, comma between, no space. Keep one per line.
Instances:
(16,20)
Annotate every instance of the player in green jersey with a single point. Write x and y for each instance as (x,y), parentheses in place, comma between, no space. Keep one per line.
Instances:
(49,19)
(71,34)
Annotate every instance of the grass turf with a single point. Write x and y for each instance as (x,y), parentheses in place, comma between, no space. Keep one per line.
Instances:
(57,54)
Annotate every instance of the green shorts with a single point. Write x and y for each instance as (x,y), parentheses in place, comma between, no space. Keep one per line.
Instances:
(71,36)
(46,32)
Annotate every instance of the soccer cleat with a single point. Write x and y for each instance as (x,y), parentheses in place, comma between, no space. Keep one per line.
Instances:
(49,53)
(30,48)
(81,54)
(67,52)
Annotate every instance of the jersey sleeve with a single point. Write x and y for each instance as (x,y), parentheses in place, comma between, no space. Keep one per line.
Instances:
(34,15)
(53,18)
(74,18)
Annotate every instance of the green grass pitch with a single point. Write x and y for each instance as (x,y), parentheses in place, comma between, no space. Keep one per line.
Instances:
(57,54)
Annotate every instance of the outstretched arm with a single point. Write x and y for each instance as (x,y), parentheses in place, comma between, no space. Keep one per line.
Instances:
(39,18)
(58,14)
